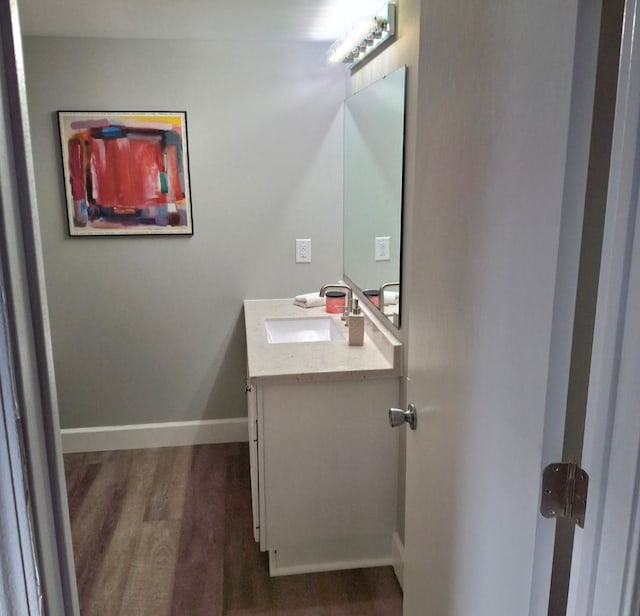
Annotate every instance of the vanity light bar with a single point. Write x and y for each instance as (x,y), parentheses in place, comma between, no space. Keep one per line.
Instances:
(363,38)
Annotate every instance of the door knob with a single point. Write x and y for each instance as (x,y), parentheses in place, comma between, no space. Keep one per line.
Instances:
(397,417)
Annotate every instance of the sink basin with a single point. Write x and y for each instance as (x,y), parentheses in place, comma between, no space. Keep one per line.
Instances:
(303,329)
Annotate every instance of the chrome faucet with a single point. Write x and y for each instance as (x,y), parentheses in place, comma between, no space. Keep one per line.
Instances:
(347,308)
(381,292)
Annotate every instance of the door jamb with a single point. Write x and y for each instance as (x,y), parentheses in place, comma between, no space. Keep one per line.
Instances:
(600,580)
(29,337)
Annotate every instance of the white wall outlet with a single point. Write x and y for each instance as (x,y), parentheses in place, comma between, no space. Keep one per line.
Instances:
(303,251)
(383,248)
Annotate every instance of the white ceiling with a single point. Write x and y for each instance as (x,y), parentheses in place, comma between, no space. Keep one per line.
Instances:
(320,20)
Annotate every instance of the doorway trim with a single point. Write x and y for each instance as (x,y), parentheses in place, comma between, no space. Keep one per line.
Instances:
(606,553)
(28,340)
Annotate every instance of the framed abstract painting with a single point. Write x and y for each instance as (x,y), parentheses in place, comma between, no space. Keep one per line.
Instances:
(126,173)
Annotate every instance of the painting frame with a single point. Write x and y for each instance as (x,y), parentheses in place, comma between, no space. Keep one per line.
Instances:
(125,173)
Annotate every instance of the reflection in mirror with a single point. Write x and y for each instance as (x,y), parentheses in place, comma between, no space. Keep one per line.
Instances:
(373,163)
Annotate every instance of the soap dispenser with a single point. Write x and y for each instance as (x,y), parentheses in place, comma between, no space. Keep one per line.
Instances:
(356,325)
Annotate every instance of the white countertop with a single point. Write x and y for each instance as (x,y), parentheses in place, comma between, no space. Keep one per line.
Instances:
(380,356)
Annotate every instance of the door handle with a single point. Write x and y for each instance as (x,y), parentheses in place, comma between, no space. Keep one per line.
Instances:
(397,417)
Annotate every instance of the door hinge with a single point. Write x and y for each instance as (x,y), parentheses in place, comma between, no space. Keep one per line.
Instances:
(564,492)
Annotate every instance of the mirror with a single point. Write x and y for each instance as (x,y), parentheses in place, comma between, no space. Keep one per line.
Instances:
(373,165)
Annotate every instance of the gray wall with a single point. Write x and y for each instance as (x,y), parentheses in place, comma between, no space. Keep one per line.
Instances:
(150,329)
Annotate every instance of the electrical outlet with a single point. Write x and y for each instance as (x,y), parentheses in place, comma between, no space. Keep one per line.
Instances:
(303,251)
(383,248)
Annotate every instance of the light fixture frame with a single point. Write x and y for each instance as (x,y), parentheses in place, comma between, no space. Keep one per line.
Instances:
(365,38)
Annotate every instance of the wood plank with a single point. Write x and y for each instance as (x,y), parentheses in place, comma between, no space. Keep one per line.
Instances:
(246,570)
(170,482)
(383,585)
(149,587)
(198,582)
(74,465)
(107,593)
(95,522)
(79,487)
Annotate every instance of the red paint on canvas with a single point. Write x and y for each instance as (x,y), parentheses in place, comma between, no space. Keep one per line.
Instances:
(175,194)
(76,167)
(125,172)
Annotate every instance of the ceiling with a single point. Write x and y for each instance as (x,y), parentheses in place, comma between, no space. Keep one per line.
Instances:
(319,20)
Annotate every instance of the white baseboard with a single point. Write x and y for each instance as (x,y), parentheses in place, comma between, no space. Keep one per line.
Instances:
(167,434)
(397,557)
(276,570)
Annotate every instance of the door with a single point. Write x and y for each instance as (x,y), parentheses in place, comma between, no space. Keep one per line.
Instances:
(493,243)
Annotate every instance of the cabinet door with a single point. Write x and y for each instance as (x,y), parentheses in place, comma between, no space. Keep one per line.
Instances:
(252,414)
(330,468)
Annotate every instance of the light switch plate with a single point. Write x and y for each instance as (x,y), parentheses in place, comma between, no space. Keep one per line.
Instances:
(303,251)
(383,248)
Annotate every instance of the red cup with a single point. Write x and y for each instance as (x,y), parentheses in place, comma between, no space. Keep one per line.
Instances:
(373,295)
(335,301)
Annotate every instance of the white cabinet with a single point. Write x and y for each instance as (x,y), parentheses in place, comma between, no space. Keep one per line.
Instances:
(324,461)
(324,468)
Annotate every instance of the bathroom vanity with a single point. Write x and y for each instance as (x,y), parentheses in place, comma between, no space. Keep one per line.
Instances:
(324,462)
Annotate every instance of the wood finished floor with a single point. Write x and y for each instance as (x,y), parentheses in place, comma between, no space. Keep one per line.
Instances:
(168,531)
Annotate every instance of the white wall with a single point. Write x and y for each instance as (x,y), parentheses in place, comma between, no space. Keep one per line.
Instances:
(150,329)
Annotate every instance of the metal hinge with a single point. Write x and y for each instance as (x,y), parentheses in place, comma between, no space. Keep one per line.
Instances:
(564,492)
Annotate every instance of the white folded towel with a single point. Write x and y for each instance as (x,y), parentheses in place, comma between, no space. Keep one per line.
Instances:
(391,297)
(308,300)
